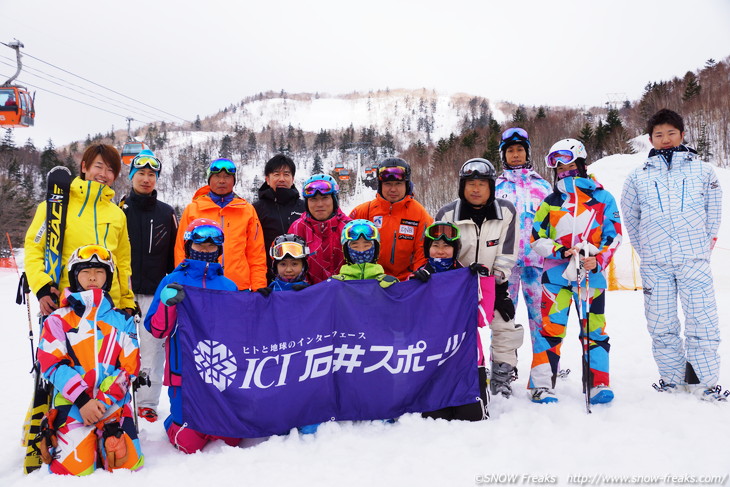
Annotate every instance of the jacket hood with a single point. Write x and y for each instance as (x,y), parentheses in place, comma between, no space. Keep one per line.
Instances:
(281,196)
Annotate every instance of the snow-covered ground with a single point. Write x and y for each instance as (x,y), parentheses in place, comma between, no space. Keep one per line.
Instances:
(646,436)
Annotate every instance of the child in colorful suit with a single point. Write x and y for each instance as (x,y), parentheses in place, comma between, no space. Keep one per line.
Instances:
(88,351)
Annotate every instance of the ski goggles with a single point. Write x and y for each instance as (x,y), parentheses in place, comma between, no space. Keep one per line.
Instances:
(514,133)
(292,249)
(220,165)
(392,173)
(205,233)
(559,157)
(88,252)
(321,186)
(153,163)
(444,230)
(359,229)
(476,169)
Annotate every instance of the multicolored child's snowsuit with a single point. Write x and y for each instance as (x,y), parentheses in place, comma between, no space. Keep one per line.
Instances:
(88,350)
(560,224)
(672,214)
(526,190)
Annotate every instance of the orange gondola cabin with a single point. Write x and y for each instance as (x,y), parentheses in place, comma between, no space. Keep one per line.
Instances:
(131,149)
(16,107)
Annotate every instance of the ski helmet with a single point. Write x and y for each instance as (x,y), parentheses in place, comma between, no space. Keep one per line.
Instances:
(510,137)
(442,230)
(288,245)
(203,230)
(566,151)
(353,230)
(220,165)
(394,169)
(323,184)
(90,257)
(477,168)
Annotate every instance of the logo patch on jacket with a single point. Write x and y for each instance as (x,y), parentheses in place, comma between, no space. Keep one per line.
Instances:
(378,221)
(407,230)
(492,243)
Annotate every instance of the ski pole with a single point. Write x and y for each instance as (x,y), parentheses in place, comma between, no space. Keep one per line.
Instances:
(22,297)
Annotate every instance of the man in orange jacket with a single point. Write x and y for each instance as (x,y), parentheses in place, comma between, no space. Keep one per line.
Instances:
(244,256)
(399,216)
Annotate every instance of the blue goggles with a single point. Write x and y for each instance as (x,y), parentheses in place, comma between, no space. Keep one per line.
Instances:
(220,165)
(360,228)
(514,133)
(205,233)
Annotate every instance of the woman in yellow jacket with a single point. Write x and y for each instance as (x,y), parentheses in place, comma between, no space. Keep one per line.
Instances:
(244,256)
(92,218)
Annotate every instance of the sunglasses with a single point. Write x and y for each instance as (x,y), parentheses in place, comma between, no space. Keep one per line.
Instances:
(88,252)
(443,230)
(559,157)
(514,132)
(205,233)
(320,186)
(147,161)
(392,173)
(353,232)
(222,165)
(292,249)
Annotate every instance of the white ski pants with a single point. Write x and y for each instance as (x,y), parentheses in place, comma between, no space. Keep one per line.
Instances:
(152,358)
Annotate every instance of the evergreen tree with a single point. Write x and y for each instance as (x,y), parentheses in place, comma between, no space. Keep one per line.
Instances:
(520,116)
(252,142)
(198,125)
(586,134)
(49,158)
(226,150)
(692,87)
(492,152)
(317,166)
(541,113)
(613,121)
(8,143)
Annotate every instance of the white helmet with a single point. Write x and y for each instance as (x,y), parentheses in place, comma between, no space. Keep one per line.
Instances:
(566,151)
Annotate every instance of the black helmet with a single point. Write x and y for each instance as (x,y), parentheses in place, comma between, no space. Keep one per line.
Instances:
(442,230)
(510,137)
(401,171)
(477,168)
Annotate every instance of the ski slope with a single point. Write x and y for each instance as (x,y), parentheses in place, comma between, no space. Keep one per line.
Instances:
(644,435)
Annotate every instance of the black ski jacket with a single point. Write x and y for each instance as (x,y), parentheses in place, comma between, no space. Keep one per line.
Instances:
(152,227)
(277,210)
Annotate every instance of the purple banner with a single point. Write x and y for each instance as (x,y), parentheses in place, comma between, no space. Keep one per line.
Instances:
(255,366)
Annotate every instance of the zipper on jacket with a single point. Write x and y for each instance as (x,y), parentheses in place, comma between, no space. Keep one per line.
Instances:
(392,251)
(151,228)
(659,197)
(681,208)
(476,257)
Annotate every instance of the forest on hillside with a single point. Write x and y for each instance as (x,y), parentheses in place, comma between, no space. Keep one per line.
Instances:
(702,97)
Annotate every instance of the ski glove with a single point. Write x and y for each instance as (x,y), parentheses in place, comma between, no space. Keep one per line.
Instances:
(172,294)
(477,268)
(422,275)
(299,287)
(264,291)
(387,281)
(502,302)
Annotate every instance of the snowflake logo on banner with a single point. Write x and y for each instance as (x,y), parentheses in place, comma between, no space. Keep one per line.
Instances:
(215,364)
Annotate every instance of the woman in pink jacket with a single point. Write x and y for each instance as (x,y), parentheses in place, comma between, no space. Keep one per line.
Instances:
(320,226)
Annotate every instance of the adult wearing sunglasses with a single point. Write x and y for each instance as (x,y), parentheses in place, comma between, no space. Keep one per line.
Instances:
(92,218)
(278,203)
(152,227)
(521,185)
(243,257)
(321,227)
(400,218)
(489,237)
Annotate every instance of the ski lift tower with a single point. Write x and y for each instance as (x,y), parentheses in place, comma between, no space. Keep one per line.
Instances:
(358,148)
(615,100)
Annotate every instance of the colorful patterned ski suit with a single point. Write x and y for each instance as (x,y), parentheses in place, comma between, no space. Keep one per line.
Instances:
(560,224)
(672,215)
(88,350)
(526,190)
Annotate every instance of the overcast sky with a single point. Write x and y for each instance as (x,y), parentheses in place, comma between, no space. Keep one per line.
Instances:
(195,57)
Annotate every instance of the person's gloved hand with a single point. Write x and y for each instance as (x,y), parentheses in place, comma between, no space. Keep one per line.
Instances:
(299,287)
(422,275)
(264,291)
(477,268)
(502,302)
(172,294)
(387,281)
